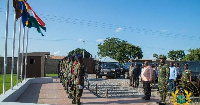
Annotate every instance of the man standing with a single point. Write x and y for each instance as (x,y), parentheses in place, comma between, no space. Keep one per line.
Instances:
(186,77)
(79,72)
(70,74)
(172,77)
(136,73)
(131,75)
(163,76)
(147,78)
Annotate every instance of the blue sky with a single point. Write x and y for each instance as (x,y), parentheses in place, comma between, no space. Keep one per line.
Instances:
(157,26)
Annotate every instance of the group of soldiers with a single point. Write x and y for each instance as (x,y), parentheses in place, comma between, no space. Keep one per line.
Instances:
(163,77)
(71,72)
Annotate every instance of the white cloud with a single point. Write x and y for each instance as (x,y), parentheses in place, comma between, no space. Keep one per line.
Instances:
(80,39)
(164,30)
(118,29)
(56,53)
(99,40)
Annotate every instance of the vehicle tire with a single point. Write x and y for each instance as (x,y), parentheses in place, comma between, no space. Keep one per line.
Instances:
(99,76)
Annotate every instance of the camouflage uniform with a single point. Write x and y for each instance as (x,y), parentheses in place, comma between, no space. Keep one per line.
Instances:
(79,73)
(163,77)
(73,79)
(66,74)
(185,78)
(63,71)
(70,84)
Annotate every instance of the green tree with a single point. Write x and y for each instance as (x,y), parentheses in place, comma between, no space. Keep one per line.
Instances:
(194,55)
(176,55)
(79,51)
(155,55)
(119,50)
(161,55)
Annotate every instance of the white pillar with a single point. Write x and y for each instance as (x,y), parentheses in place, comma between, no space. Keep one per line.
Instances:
(18,63)
(26,54)
(22,63)
(13,51)
(5,54)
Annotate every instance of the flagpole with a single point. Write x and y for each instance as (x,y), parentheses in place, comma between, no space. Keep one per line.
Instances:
(13,51)
(18,62)
(22,55)
(26,54)
(5,54)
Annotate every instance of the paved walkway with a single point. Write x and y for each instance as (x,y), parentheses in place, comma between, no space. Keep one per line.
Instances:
(54,93)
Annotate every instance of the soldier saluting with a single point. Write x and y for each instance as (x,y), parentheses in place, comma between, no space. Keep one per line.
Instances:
(163,76)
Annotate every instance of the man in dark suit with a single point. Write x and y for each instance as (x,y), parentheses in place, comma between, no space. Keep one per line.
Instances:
(136,73)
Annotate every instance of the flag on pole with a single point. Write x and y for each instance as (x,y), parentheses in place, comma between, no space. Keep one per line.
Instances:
(24,12)
(29,20)
(34,20)
(16,5)
(35,15)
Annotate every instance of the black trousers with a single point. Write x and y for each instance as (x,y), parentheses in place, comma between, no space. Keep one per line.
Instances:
(136,80)
(147,89)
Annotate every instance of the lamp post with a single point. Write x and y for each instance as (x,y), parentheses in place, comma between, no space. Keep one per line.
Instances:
(83,48)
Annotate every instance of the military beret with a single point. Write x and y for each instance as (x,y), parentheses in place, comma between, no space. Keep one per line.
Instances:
(78,56)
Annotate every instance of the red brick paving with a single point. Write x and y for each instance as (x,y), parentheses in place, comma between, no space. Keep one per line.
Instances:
(54,93)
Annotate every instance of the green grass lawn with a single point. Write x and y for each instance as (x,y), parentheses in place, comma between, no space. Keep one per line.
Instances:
(51,75)
(8,81)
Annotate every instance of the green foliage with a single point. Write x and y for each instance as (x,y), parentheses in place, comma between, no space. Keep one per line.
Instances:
(161,56)
(119,50)
(155,55)
(158,56)
(8,81)
(79,51)
(176,55)
(194,55)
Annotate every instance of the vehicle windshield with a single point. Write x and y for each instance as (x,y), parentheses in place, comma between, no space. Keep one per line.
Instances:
(109,65)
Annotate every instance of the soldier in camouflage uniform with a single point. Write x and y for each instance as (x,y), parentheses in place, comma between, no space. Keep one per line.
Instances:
(66,73)
(73,79)
(163,77)
(70,83)
(63,72)
(186,77)
(61,68)
(79,73)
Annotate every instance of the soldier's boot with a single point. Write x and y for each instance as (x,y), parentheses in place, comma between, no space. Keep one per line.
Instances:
(73,101)
(78,101)
(70,96)
(63,83)
(67,90)
(60,79)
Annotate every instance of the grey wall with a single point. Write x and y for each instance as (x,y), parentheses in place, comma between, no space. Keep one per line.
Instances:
(9,64)
(51,66)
